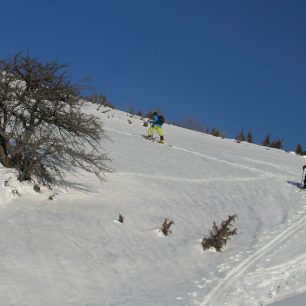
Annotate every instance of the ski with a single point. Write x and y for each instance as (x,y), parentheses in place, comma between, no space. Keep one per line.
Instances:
(153,139)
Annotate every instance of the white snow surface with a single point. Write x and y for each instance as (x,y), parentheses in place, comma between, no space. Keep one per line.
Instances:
(73,251)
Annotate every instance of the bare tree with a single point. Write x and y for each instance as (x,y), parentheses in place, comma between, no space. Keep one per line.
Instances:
(42,126)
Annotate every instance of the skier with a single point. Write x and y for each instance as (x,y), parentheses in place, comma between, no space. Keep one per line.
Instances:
(304,187)
(156,122)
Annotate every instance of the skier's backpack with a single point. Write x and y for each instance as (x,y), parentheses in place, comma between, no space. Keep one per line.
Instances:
(160,120)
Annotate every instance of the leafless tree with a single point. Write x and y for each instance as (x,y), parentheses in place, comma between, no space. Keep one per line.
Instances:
(42,126)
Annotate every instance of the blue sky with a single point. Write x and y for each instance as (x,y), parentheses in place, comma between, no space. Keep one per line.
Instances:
(229,64)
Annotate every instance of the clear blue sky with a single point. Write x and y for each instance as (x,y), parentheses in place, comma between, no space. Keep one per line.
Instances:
(231,64)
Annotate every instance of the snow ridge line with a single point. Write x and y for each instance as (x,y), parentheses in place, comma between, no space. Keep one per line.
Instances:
(217,295)
(200,154)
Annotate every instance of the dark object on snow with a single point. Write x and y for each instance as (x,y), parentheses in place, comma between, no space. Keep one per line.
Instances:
(297,184)
(304,167)
(36,188)
(16,192)
(165,229)
(219,236)
(7,182)
(121,219)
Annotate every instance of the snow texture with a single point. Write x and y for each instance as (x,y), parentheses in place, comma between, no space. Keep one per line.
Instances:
(73,251)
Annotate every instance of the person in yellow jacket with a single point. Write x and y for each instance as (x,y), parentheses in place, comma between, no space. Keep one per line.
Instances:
(156,125)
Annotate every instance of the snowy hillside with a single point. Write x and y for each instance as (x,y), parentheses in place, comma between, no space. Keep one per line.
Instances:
(72,250)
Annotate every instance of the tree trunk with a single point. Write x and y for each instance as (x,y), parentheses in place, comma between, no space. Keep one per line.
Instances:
(5,160)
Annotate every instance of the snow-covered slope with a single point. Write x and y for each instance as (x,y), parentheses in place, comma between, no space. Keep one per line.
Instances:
(72,251)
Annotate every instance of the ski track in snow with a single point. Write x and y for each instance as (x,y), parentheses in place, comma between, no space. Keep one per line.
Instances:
(224,287)
(221,291)
(267,174)
(191,180)
(272,165)
(275,283)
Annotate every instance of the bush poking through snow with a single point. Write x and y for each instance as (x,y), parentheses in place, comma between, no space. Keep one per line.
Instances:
(15,192)
(121,218)
(299,150)
(7,182)
(240,137)
(219,236)
(165,229)
(36,188)
(216,132)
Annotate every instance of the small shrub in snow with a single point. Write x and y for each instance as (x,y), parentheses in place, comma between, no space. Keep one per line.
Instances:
(16,192)
(277,144)
(165,229)
(36,188)
(7,182)
(219,236)
(216,132)
(240,137)
(299,149)
(267,140)
(121,218)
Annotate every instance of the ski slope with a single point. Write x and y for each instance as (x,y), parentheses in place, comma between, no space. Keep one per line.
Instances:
(73,251)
